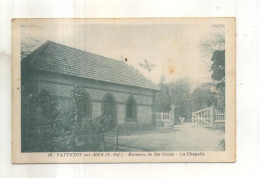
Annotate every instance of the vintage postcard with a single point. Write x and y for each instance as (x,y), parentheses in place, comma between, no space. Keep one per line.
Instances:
(123,90)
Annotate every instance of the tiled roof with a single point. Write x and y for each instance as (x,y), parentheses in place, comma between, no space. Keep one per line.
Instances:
(62,59)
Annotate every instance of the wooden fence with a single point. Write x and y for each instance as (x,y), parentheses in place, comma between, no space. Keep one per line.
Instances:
(219,117)
(207,117)
(165,119)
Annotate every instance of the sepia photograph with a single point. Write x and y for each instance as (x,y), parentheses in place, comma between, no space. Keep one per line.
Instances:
(124,90)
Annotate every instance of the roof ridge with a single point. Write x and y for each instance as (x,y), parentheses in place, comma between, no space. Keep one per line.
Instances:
(55,57)
(83,51)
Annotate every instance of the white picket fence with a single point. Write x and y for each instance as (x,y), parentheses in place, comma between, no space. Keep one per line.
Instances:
(206,117)
(165,119)
(219,117)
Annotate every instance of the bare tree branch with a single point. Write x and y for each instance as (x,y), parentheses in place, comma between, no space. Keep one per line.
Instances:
(146,65)
(215,41)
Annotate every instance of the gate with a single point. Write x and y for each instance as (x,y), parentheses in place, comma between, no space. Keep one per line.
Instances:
(207,117)
(203,118)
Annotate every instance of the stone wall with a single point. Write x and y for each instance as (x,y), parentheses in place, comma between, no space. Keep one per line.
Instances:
(62,85)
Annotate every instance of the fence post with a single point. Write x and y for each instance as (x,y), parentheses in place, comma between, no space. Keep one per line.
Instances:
(212,116)
(153,111)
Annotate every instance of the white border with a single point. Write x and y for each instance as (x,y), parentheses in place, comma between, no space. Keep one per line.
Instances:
(248,84)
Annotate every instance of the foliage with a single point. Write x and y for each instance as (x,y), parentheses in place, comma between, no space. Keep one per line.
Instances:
(218,76)
(92,128)
(163,100)
(176,93)
(218,65)
(100,124)
(181,90)
(214,46)
(44,128)
(203,97)
(214,41)
(48,103)
(40,118)
(185,100)
(28,45)
(77,95)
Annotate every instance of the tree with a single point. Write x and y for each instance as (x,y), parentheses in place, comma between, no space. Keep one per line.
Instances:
(176,93)
(163,97)
(218,76)
(218,66)
(214,41)
(48,103)
(180,93)
(44,128)
(203,97)
(40,119)
(213,46)
(28,45)
(77,96)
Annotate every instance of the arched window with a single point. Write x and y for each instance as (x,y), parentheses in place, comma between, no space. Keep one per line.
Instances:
(109,106)
(131,110)
(85,107)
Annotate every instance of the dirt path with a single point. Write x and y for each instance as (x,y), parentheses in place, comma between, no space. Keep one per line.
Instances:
(184,137)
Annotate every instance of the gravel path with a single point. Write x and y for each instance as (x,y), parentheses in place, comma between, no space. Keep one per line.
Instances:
(183,137)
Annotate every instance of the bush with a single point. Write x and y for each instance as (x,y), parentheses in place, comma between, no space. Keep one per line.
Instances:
(87,133)
(44,128)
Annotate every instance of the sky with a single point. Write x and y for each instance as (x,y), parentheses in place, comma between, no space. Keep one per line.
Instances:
(173,49)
